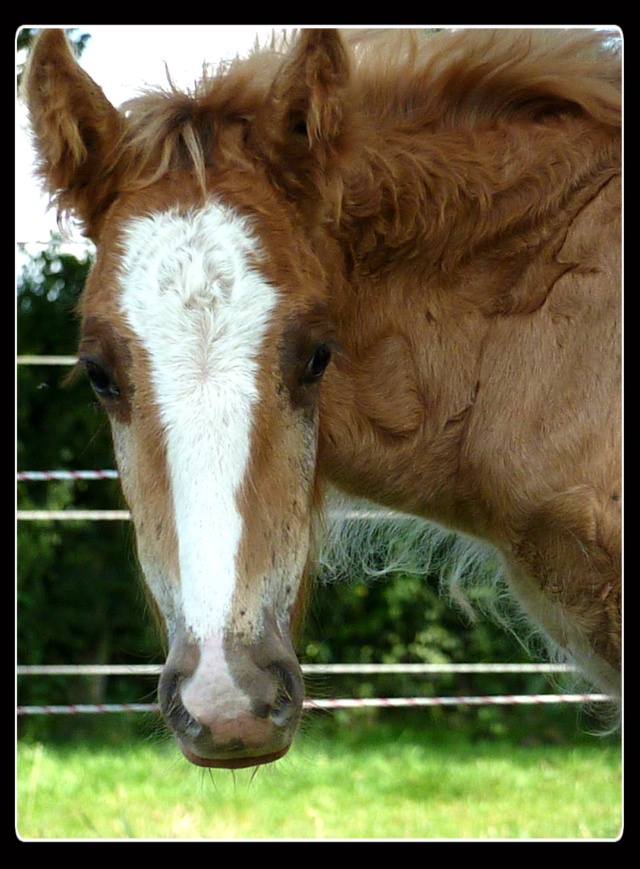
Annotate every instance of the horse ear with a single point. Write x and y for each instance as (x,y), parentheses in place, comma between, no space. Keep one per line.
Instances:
(75,130)
(303,129)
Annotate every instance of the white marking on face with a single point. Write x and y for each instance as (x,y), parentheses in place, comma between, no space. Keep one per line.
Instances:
(201,312)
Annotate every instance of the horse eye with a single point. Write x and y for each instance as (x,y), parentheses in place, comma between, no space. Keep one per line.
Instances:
(317,364)
(101,383)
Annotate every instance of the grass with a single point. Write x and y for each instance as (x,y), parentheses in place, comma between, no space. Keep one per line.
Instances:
(382,782)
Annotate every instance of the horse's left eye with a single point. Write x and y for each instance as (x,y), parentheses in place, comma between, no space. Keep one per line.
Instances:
(317,364)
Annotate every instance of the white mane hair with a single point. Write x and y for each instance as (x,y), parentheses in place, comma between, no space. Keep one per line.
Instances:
(359,540)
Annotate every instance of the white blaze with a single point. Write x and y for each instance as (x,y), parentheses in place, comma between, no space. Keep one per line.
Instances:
(201,312)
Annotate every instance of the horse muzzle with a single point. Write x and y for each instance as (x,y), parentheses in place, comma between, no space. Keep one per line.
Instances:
(231,704)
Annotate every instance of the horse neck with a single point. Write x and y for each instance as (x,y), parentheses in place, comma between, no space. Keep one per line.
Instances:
(434,255)
(443,196)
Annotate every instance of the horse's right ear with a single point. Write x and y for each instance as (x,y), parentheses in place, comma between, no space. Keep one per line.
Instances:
(302,133)
(75,130)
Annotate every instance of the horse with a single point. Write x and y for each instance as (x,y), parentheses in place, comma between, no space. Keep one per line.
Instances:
(381,262)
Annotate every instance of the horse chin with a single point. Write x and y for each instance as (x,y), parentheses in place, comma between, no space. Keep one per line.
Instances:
(230,763)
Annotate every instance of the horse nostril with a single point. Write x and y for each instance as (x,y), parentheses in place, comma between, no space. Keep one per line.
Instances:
(280,703)
(284,706)
(172,706)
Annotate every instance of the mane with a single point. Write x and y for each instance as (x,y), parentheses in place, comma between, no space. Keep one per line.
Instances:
(355,538)
(469,77)
(400,79)
(169,127)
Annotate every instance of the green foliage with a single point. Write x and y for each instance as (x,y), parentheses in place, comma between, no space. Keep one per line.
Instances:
(79,597)
(406,619)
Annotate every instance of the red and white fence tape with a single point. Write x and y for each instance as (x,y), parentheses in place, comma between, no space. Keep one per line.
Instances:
(26,476)
(87,708)
(480,700)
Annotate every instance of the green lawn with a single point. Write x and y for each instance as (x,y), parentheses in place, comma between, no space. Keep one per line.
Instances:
(381,782)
